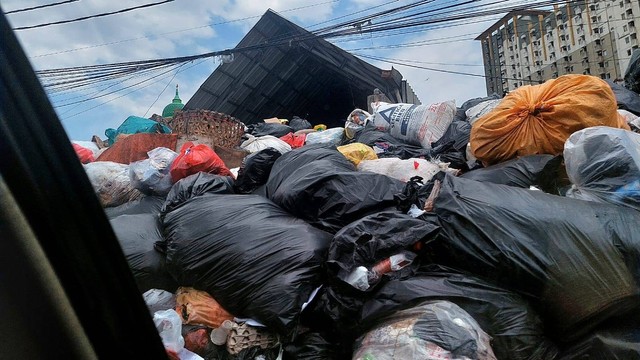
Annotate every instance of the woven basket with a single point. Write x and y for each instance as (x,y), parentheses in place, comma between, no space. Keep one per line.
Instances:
(206,127)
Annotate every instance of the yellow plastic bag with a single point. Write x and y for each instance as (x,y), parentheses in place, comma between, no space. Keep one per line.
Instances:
(539,119)
(357,152)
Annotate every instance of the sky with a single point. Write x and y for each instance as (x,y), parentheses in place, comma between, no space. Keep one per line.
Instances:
(190,27)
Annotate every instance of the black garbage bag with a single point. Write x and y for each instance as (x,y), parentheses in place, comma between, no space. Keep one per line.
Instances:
(262,129)
(459,132)
(196,185)
(603,165)
(626,99)
(255,170)
(431,330)
(475,101)
(311,346)
(387,145)
(522,172)
(320,185)
(298,123)
(254,258)
(367,243)
(516,330)
(617,340)
(577,261)
(632,74)
(144,205)
(137,235)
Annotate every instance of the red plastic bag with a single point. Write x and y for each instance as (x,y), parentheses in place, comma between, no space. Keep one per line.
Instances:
(85,155)
(296,141)
(197,158)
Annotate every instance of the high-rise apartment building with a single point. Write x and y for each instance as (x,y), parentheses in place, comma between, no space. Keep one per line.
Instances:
(579,37)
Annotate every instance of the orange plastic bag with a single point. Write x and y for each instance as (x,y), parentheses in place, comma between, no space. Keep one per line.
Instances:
(199,308)
(539,119)
(197,158)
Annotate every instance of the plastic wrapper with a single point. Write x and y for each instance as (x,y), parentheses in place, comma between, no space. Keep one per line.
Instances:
(297,124)
(158,299)
(523,172)
(271,129)
(90,145)
(111,182)
(603,165)
(194,186)
(357,152)
(321,186)
(197,158)
(538,119)
(416,124)
(576,261)
(254,258)
(137,235)
(151,176)
(254,144)
(516,330)
(255,170)
(196,339)
(631,119)
(404,170)
(199,308)
(430,331)
(169,327)
(331,136)
(365,243)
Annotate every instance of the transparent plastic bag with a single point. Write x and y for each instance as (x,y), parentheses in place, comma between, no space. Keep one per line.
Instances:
(151,176)
(603,165)
(434,330)
(169,326)
(111,182)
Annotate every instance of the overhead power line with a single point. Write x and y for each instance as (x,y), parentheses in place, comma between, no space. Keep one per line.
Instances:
(91,16)
(38,7)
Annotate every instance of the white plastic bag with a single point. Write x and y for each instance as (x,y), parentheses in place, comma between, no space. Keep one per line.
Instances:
(255,144)
(331,136)
(111,182)
(476,112)
(151,176)
(415,124)
(403,170)
(158,300)
(169,326)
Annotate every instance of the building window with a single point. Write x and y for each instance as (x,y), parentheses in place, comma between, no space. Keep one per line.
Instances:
(621,4)
(625,28)
(604,52)
(626,40)
(629,52)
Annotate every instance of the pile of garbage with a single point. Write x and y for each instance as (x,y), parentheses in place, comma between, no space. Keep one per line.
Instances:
(505,228)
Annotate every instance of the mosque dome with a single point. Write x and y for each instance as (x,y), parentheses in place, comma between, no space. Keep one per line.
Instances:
(175,105)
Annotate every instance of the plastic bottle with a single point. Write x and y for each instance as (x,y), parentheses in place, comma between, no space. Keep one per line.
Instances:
(219,335)
(392,263)
(359,278)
